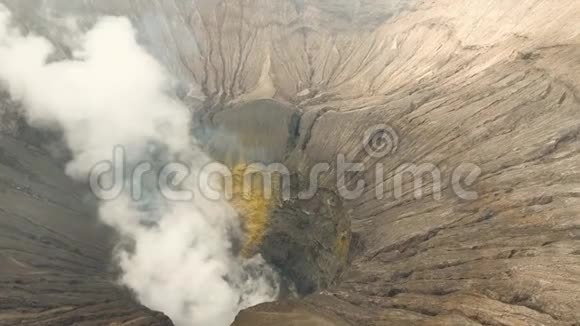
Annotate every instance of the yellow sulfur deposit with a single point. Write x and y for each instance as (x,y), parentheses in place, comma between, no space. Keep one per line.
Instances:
(254,206)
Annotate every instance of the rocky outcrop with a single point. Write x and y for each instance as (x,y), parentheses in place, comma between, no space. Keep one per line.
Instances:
(490,83)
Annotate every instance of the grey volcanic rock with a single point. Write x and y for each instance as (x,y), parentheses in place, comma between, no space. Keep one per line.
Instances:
(492,83)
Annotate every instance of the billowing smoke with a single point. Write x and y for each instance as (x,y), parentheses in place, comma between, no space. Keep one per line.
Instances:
(178,257)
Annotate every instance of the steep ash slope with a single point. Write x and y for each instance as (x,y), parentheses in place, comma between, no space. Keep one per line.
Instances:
(55,256)
(492,83)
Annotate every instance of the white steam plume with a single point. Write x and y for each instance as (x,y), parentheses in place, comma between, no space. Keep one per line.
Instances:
(180,258)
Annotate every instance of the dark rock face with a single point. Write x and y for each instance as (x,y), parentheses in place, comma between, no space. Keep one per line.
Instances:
(491,83)
(308,241)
